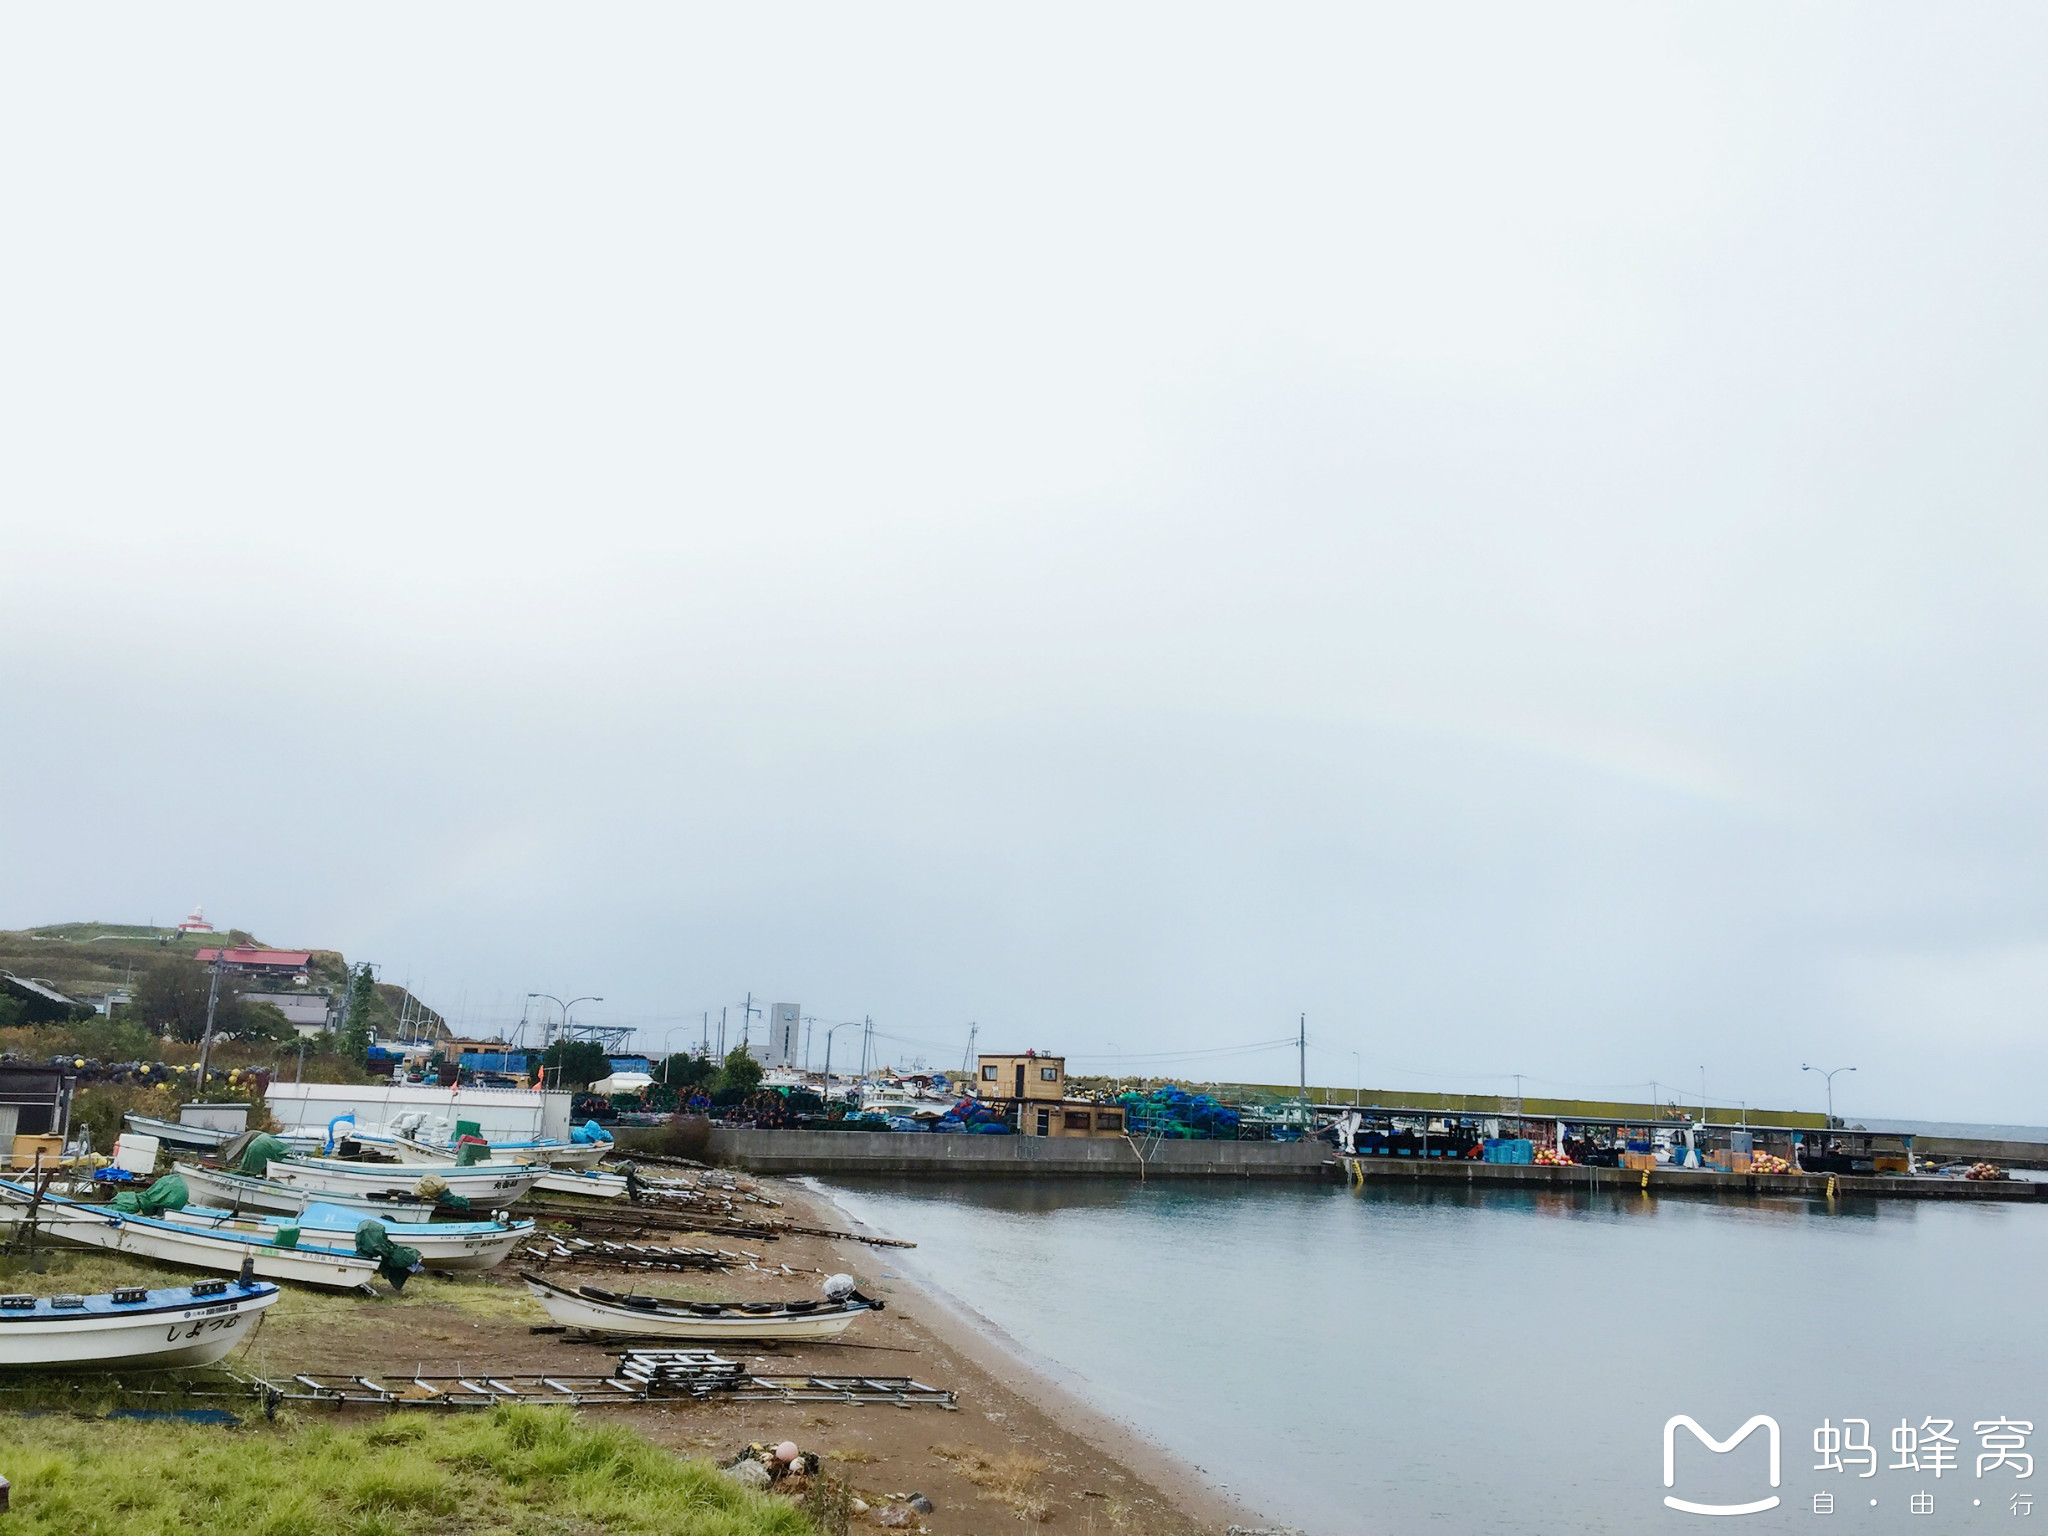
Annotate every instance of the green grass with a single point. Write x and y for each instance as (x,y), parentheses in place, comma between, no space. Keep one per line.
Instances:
(535,1471)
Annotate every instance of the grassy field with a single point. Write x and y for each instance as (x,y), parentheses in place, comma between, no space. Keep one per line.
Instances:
(534,1471)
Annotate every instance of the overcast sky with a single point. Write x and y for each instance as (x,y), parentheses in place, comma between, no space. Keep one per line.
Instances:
(1517,531)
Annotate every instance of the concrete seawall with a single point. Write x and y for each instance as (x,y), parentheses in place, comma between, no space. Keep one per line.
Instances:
(1033,1157)
(1670,1181)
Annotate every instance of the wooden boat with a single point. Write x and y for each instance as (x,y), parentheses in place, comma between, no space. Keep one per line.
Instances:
(650,1317)
(239,1192)
(447,1245)
(152,1237)
(487,1187)
(129,1329)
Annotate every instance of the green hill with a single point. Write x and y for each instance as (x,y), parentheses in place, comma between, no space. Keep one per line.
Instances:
(89,960)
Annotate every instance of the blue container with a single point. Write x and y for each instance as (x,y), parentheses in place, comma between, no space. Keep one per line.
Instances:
(1510,1149)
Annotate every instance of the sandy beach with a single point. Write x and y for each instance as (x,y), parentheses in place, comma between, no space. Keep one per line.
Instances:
(1021,1448)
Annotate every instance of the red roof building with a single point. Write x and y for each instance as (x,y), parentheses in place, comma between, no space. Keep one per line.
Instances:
(269,962)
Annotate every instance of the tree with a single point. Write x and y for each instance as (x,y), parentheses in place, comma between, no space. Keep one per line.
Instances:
(581,1062)
(171,998)
(686,1070)
(741,1073)
(355,1030)
(261,1021)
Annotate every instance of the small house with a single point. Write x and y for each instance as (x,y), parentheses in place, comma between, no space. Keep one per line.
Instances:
(1035,1086)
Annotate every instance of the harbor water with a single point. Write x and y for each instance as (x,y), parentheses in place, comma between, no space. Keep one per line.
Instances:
(1395,1359)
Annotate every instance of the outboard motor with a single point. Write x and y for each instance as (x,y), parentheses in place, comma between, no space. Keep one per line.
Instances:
(841,1289)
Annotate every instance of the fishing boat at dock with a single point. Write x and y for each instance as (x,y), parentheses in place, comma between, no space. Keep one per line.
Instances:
(654,1317)
(130,1328)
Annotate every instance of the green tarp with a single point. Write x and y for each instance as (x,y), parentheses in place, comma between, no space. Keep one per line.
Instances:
(395,1262)
(166,1194)
(261,1153)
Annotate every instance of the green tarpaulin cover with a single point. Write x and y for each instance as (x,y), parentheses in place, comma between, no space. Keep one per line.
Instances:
(261,1153)
(166,1194)
(395,1262)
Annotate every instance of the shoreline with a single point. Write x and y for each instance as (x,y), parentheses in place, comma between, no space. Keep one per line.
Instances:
(1044,1384)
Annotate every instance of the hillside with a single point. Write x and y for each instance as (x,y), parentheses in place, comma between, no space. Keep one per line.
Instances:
(89,960)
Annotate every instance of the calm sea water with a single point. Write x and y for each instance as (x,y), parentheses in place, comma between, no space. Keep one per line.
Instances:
(1399,1360)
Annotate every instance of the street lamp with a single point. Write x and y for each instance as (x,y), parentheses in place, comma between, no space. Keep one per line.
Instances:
(565,1007)
(1830,1076)
(829,1033)
(1357,1079)
(1119,1064)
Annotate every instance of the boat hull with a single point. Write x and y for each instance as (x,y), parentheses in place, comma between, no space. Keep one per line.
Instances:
(449,1247)
(146,1237)
(590,1186)
(571,1310)
(558,1155)
(486,1189)
(159,1334)
(239,1192)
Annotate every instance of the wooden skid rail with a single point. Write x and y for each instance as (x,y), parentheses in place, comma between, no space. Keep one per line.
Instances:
(543,1252)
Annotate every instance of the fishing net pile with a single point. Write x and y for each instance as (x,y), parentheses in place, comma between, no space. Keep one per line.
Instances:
(1174,1112)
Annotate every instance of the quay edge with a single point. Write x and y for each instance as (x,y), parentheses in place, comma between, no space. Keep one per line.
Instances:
(898,1153)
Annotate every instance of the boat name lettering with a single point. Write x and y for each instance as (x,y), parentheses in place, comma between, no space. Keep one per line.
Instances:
(204,1326)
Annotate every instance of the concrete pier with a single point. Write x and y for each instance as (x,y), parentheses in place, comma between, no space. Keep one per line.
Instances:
(1690,1181)
(892,1153)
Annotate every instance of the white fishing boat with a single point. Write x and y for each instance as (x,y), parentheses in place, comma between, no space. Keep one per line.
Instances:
(152,1237)
(204,1138)
(131,1328)
(445,1245)
(487,1187)
(652,1317)
(239,1192)
(591,1186)
(413,1137)
(903,1101)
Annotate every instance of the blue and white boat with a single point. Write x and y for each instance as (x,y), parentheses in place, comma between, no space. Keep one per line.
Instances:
(131,1328)
(153,1237)
(241,1192)
(448,1245)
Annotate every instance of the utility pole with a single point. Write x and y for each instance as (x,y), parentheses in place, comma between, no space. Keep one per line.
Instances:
(212,1000)
(747,1020)
(867,1031)
(721,1034)
(967,1061)
(1301,1045)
